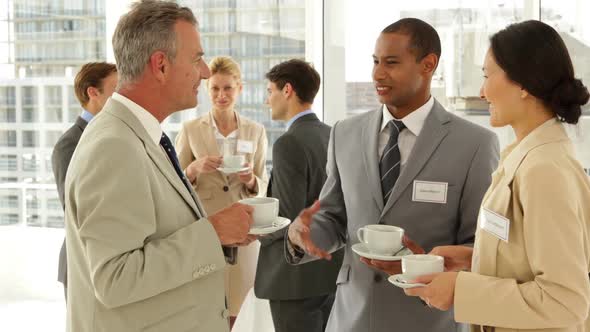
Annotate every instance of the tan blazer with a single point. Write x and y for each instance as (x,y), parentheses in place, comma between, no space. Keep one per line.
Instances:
(538,280)
(196,139)
(141,257)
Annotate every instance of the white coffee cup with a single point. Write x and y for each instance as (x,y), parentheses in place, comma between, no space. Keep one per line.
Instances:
(233,161)
(266,210)
(418,265)
(381,239)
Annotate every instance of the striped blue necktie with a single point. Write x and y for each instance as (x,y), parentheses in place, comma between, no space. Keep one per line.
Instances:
(389,166)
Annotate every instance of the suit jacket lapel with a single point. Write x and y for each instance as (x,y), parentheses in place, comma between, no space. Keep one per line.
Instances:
(243,131)
(370,139)
(165,166)
(155,153)
(430,137)
(496,199)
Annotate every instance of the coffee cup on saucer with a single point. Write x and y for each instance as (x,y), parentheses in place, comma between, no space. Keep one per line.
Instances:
(414,266)
(381,239)
(266,210)
(233,161)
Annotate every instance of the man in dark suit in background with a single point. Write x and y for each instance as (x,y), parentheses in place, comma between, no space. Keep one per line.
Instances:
(94,84)
(300,297)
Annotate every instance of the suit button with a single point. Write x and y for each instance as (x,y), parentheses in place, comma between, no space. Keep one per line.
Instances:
(225,188)
(377,278)
(225,314)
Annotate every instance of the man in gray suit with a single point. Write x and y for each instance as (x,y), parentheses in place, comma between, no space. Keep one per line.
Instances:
(410,164)
(93,85)
(301,297)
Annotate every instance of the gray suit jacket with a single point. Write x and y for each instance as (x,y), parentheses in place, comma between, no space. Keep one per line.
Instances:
(60,160)
(141,254)
(449,149)
(298,174)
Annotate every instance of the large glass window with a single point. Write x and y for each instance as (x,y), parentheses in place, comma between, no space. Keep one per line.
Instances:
(464,28)
(257,34)
(42,46)
(568,18)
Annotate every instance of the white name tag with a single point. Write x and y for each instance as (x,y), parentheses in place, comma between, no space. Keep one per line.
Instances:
(430,192)
(495,224)
(245,146)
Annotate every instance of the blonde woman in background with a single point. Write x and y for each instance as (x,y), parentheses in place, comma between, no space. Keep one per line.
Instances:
(201,144)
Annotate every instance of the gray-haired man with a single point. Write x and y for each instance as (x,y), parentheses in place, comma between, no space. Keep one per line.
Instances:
(142,254)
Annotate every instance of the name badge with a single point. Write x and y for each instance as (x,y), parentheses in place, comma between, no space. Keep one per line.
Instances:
(245,146)
(495,224)
(430,192)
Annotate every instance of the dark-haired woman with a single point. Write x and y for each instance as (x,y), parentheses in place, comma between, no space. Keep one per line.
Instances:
(529,267)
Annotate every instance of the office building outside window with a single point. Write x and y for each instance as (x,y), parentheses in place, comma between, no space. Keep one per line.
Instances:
(42,46)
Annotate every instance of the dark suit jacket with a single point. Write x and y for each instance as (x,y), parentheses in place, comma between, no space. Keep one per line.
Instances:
(297,177)
(60,160)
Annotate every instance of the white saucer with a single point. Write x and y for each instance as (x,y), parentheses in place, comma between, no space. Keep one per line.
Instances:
(232,170)
(362,250)
(400,281)
(278,224)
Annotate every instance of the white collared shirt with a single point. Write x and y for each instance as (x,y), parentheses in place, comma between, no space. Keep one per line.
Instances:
(226,145)
(149,122)
(407,138)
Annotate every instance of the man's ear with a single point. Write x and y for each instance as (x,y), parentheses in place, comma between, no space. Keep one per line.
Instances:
(429,63)
(92,92)
(159,65)
(288,90)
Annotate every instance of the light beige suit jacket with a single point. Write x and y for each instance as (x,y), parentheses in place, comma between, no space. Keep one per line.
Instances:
(195,140)
(538,280)
(141,254)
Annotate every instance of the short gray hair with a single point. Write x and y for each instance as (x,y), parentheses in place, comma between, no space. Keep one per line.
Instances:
(146,28)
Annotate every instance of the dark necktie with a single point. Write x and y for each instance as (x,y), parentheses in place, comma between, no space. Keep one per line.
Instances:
(390,164)
(171,152)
